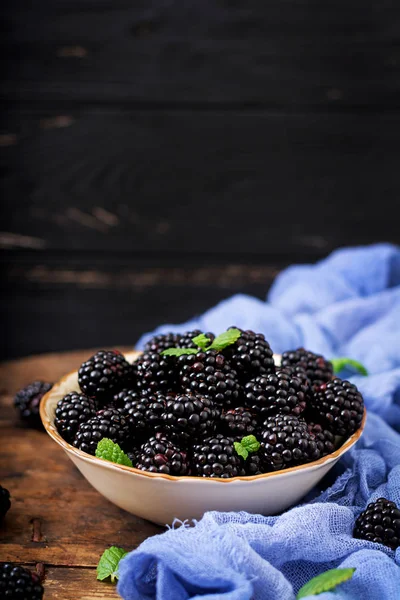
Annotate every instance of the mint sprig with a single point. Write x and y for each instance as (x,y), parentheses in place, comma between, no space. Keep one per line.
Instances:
(325,582)
(225,339)
(341,363)
(202,341)
(108,450)
(247,445)
(221,342)
(108,563)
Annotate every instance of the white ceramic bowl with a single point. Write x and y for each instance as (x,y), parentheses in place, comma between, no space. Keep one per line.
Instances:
(162,498)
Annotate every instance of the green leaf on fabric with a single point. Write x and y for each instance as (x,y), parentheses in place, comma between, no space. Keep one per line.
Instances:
(325,582)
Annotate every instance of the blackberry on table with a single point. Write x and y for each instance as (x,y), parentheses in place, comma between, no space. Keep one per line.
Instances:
(215,456)
(324,438)
(210,374)
(274,393)
(286,442)
(104,374)
(316,367)
(238,422)
(143,412)
(5,502)
(250,355)
(71,411)
(108,423)
(160,455)
(379,523)
(155,372)
(338,405)
(189,416)
(163,341)
(27,402)
(17,583)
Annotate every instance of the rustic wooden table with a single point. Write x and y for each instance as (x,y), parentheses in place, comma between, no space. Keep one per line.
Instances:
(56,517)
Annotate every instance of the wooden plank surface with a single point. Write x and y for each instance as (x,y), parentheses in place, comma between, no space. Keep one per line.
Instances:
(56,518)
(220,183)
(284,53)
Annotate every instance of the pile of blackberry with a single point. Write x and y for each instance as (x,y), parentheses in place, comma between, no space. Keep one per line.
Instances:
(187,404)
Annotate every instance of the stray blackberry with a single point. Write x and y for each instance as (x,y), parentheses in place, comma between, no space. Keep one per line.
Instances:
(163,341)
(17,583)
(209,374)
(338,405)
(186,340)
(189,416)
(160,455)
(379,523)
(275,393)
(250,355)
(71,411)
(286,442)
(27,402)
(316,367)
(216,456)
(104,374)
(324,438)
(238,422)
(5,503)
(108,423)
(155,372)
(142,412)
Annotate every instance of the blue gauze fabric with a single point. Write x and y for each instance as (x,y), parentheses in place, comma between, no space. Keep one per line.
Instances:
(346,305)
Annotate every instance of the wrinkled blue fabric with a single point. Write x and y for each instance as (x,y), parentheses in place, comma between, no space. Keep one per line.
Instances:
(346,305)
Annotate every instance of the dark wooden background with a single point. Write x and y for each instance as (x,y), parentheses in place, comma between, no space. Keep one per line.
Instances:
(158,156)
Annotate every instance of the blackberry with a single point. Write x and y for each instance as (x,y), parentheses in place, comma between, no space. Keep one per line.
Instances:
(108,423)
(104,374)
(155,372)
(324,438)
(238,422)
(134,455)
(71,411)
(209,374)
(27,402)
(17,583)
(251,355)
(186,340)
(216,456)
(278,392)
(189,416)
(163,341)
(316,367)
(142,412)
(286,442)
(338,405)
(160,455)
(255,464)
(5,503)
(379,523)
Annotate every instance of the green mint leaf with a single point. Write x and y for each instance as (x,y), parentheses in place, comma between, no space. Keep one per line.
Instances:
(250,443)
(202,341)
(241,450)
(108,450)
(225,339)
(341,363)
(325,582)
(108,563)
(179,351)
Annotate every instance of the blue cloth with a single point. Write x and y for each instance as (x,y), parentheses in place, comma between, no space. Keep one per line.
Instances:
(346,305)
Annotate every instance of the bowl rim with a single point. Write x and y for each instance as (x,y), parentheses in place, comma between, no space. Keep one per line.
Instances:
(53,433)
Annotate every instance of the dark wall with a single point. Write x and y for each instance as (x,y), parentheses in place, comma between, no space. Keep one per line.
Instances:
(158,156)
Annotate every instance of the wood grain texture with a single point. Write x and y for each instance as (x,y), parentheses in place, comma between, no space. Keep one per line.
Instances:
(56,518)
(291,53)
(217,182)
